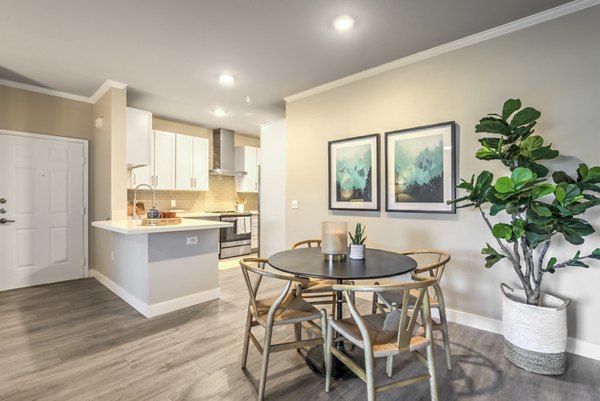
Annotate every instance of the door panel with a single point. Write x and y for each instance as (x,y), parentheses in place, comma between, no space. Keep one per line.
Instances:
(42,183)
(201,164)
(164,160)
(183,164)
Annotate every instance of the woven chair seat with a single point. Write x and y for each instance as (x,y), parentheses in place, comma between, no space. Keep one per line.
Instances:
(385,342)
(293,309)
(391,297)
(319,285)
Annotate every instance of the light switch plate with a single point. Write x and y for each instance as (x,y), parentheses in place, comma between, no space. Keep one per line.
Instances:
(192,240)
(173,202)
(294,204)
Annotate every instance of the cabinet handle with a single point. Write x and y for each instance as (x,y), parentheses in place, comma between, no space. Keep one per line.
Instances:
(191,183)
(156,178)
(195,183)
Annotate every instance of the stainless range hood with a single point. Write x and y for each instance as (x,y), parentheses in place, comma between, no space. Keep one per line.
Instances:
(224,153)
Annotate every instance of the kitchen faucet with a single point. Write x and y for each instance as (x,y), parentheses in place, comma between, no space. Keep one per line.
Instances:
(135,216)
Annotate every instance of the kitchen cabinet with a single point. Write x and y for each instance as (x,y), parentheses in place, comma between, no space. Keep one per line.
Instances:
(191,165)
(164,160)
(247,158)
(254,233)
(138,137)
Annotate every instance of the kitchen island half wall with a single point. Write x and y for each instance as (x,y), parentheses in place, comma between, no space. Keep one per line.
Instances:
(159,269)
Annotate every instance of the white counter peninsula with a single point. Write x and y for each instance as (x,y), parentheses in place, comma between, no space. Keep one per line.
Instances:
(158,269)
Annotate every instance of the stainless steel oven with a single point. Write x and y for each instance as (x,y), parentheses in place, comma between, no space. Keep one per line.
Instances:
(236,240)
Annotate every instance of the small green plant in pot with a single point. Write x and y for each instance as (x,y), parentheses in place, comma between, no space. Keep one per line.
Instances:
(357,242)
(532,210)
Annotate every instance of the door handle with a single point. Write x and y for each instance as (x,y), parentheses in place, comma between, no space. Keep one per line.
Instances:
(3,210)
(2,200)
(4,221)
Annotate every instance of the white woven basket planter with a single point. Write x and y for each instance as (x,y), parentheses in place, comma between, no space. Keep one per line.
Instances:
(535,337)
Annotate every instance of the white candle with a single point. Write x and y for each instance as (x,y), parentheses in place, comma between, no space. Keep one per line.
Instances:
(334,237)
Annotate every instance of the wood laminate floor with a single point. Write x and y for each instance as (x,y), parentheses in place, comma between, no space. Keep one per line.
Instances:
(78,341)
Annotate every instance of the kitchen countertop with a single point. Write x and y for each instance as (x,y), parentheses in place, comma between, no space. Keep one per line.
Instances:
(197,214)
(129,227)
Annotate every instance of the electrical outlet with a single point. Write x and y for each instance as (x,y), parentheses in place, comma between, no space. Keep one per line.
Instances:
(294,204)
(192,240)
(173,203)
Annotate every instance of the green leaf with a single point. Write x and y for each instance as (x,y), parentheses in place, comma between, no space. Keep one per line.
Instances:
(593,175)
(510,106)
(518,228)
(577,263)
(503,231)
(541,190)
(532,142)
(534,239)
(495,209)
(525,116)
(560,194)
(538,169)
(595,254)
(544,153)
(486,154)
(561,176)
(492,126)
(582,172)
(550,265)
(504,185)
(521,175)
(541,210)
(493,256)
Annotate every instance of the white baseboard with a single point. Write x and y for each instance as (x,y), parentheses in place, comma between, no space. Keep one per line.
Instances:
(160,308)
(183,302)
(574,346)
(121,292)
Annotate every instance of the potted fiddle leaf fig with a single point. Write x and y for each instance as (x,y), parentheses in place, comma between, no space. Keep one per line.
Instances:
(357,242)
(532,211)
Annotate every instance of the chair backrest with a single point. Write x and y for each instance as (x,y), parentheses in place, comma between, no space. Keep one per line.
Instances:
(256,267)
(310,243)
(434,262)
(408,314)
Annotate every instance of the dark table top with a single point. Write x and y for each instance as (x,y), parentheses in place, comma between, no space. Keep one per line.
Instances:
(310,262)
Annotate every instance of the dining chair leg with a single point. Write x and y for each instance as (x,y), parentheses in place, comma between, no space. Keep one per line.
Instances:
(328,357)
(324,332)
(444,325)
(333,303)
(265,362)
(246,339)
(389,366)
(298,334)
(369,368)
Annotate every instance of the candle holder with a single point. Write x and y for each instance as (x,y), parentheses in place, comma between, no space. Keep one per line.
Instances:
(334,240)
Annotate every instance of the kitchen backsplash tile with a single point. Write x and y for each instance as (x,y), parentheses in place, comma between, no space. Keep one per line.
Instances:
(220,196)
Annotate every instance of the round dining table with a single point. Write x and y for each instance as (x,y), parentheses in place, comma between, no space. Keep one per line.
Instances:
(311,262)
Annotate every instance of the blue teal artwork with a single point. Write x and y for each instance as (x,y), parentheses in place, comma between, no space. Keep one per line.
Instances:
(419,169)
(353,175)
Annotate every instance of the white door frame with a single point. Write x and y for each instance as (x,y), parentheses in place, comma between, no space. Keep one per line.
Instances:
(85,143)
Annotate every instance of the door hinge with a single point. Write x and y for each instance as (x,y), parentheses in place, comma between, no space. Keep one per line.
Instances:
(83,211)
(83,160)
(83,262)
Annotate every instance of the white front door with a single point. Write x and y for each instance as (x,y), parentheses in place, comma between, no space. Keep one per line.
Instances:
(41,211)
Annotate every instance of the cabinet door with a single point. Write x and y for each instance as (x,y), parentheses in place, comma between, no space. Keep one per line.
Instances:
(164,160)
(141,175)
(200,173)
(184,162)
(138,136)
(246,159)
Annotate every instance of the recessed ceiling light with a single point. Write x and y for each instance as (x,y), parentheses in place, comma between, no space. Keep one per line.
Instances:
(343,23)
(226,79)
(219,112)
(248,99)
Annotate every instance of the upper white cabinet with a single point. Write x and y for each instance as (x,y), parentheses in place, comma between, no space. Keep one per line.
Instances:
(247,158)
(191,167)
(164,160)
(138,137)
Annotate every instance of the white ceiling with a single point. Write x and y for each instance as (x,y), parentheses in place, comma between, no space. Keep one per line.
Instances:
(171,52)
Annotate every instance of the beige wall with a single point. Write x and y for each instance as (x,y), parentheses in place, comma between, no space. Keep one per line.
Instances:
(22,110)
(553,66)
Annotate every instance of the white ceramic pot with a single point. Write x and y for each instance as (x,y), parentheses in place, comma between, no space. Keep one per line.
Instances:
(535,337)
(357,251)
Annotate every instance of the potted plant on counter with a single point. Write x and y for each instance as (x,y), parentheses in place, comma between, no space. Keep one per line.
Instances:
(532,210)
(357,242)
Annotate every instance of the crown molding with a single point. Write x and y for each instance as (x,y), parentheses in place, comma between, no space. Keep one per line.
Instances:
(91,99)
(108,84)
(45,91)
(501,30)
